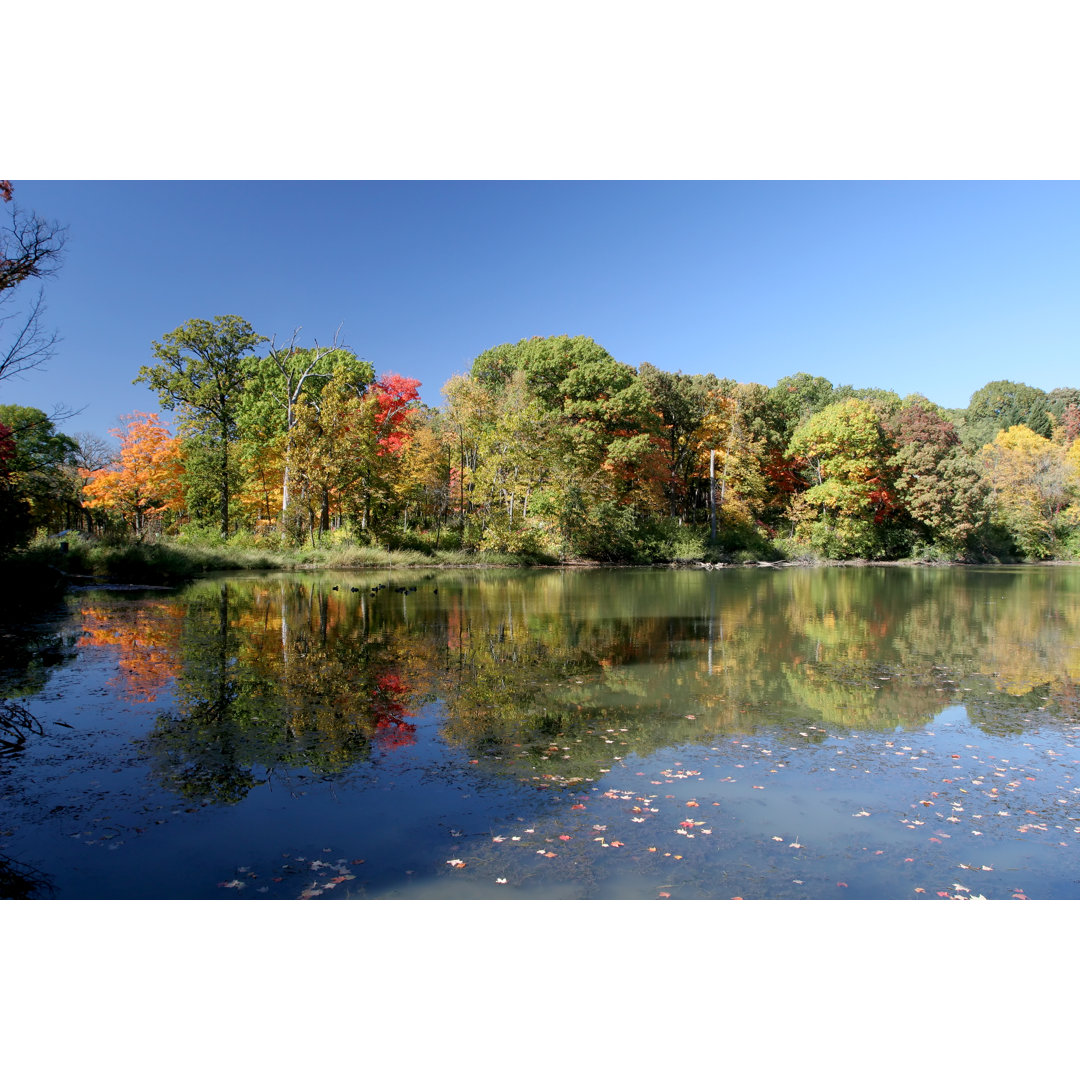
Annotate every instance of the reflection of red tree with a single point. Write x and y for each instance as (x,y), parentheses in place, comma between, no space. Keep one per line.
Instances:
(388,703)
(146,642)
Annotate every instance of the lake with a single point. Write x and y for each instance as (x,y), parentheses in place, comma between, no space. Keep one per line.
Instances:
(758,733)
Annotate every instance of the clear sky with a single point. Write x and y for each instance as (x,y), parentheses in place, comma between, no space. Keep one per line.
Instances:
(929,287)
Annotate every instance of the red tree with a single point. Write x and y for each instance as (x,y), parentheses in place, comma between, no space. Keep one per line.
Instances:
(396,396)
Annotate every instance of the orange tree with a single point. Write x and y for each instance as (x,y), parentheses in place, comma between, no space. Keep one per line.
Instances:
(145,480)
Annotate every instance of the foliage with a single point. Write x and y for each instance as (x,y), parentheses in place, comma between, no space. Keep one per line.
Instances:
(938,483)
(1002,404)
(34,469)
(146,480)
(845,454)
(551,448)
(1033,487)
(201,372)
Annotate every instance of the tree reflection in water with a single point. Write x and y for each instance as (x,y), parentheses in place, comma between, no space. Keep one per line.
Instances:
(554,675)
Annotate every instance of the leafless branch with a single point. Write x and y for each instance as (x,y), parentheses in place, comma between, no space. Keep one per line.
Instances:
(31,344)
(29,247)
(92,452)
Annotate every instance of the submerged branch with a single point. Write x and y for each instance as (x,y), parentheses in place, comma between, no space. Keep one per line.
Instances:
(16,722)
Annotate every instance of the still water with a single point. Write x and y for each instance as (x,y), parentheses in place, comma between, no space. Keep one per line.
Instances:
(840,733)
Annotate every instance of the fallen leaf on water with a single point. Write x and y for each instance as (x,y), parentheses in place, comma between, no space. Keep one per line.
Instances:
(664,895)
(920,890)
(550,855)
(780,838)
(616,843)
(691,803)
(841,884)
(564,837)
(455,863)
(500,881)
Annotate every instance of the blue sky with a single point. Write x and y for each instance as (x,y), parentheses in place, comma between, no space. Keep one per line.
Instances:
(930,287)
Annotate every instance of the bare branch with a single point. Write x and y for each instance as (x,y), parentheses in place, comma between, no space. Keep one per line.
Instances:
(29,247)
(32,344)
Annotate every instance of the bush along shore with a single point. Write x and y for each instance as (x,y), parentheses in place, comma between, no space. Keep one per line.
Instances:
(49,567)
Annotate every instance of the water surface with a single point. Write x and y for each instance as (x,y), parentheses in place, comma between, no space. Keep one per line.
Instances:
(873,733)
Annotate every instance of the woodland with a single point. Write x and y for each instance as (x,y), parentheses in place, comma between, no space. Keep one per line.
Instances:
(547,449)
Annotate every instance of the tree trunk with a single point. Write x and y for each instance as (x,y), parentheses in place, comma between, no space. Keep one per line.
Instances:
(712,495)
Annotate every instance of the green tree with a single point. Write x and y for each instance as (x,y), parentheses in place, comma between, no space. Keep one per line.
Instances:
(201,373)
(681,404)
(1001,405)
(38,467)
(274,389)
(845,453)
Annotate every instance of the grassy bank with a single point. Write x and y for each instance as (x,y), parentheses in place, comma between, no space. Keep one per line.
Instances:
(49,567)
(53,565)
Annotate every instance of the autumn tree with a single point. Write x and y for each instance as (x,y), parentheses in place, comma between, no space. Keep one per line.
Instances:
(1033,487)
(681,404)
(845,453)
(274,389)
(201,373)
(145,480)
(731,455)
(334,453)
(939,485)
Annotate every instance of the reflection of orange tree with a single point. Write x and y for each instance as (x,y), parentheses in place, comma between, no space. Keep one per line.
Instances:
(146,640)
(533,667)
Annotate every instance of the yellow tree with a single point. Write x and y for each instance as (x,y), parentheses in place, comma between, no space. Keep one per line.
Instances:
(730,454)
(1034,483)
(145,480)
(419,481)
(334,451)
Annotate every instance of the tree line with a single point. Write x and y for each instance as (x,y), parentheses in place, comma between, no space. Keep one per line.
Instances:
(551,446)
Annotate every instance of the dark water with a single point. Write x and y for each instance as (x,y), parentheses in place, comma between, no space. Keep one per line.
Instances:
(873,733)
